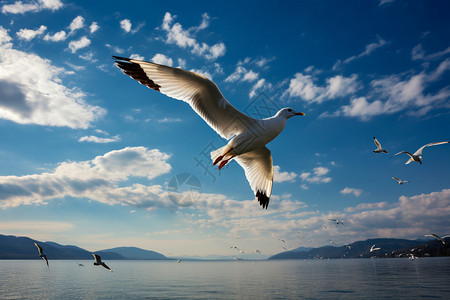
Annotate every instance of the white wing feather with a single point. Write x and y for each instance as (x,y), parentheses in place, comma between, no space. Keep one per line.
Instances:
(258,168)
(199,92)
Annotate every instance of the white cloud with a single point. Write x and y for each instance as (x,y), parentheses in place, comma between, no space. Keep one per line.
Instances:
(356,192)
(76,24)
(303,86)
(184,38)
(417,53)
(317,176)
(125,24)
(83,42)
(29,34)
(400,92)
(169,120)
(94,27)
(57,37)
(136,56)
(101,179)
(32,92)
(20,8)
(368,50)
(162,60)
(250,76)
(257,86)
(99,140)
(279,176)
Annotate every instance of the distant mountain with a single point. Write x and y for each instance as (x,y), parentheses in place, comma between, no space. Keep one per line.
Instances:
(388,248)
(13,247)
(131,253)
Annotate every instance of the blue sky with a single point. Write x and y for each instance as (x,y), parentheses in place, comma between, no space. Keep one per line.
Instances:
(87,154)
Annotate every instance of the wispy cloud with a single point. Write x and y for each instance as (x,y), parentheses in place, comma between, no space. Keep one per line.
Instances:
(99,140)
(32,92)
(186,38)
(417,53)
(19,7)
(29,34)
(401,92)
(370,48)
(126,26)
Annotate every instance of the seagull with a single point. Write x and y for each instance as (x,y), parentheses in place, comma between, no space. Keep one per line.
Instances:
(246,136)
(98,262)
(178,261)
(337,221)
(257,251)
(417,156)
(282,240)
(437,237)
(399,180)
(41,254)
(379,149)
(373,248)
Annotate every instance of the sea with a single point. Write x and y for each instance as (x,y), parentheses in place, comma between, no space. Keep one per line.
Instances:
(392,278)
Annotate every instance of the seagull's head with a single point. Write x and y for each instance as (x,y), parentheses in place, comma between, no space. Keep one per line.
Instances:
(289,113)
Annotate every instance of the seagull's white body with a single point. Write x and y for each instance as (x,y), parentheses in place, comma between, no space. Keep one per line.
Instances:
(373,248)
(379,148)
(417,156)
(247,136)
(98,262)
(41,254)
(399,180)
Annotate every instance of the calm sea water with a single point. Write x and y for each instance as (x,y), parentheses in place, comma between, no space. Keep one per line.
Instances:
(292,279)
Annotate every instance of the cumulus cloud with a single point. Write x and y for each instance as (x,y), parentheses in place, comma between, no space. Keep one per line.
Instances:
(19,7)
(57,37)
(162,59)
(185,38)
(76,24)
(94,27)
(29,34)
(355,192)
(303,86)
(83,42)
(136,56)
(101,179)
(125,24)
(279,176)
(316,176)
(32,92)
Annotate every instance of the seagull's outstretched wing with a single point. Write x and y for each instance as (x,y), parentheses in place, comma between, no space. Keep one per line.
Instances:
(419,151)
(98,259)
(44,257)
(258,168)
(377,143)
(39,248)
(200,93)
(105,266)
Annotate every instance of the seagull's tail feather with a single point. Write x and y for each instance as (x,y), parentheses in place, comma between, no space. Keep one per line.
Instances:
(222,155)
(409,160)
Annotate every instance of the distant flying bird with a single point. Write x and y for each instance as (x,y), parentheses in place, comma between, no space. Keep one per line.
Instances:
(337,221)
(247,136)
(373,248)
(379,148)
(80,265)
(399,180)
(257,251)
(417,156)
(282,240)
(437,237)
(285,249)
(98,262)
(41,254)
(178,261)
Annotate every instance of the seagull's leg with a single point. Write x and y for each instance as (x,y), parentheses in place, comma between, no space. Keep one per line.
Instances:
(221,157)
(224,162)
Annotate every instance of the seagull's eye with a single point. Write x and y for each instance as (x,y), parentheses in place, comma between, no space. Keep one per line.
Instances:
(289,110)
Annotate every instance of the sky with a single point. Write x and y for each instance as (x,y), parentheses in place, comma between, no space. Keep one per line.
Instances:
(90,157)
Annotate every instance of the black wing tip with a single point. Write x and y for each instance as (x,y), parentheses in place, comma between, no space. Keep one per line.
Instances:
(262,199)
(121,58)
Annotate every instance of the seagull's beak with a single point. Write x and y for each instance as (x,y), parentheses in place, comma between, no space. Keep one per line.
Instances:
(300,114)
